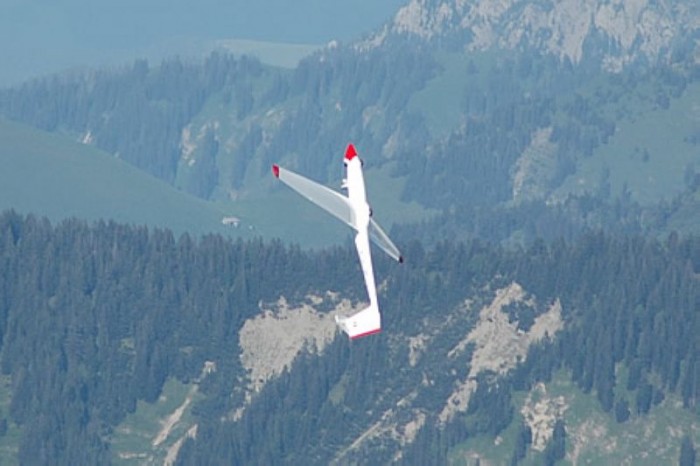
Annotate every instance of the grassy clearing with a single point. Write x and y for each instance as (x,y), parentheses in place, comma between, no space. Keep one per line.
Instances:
(441,100)
(488,450)
(649,151)
(133,440)
(50,175)
(593,436)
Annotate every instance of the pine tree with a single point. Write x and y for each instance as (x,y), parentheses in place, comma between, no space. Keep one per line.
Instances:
(687,454)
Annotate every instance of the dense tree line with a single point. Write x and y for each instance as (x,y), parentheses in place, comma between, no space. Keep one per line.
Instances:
(94,318)
(632,301)
(657,318)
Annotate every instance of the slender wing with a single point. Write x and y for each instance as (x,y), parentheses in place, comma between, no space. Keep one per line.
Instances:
(331,201)
(378,237)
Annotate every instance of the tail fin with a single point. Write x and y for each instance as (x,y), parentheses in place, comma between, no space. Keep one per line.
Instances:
(366,322)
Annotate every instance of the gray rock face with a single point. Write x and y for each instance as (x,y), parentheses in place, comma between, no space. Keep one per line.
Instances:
(619,32)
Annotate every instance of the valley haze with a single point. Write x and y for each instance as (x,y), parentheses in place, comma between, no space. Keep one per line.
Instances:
(38,37)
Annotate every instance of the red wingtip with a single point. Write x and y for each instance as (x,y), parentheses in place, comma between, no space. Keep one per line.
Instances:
(276,170)
(350,152)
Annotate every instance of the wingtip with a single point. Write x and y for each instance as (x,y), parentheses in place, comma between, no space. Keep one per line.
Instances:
(276,170)
(350,152)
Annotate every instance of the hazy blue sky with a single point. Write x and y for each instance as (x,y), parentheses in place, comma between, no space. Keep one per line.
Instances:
(41,36)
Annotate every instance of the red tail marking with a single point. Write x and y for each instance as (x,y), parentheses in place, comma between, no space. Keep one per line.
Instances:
(366,334)
(350,152)
(276,170)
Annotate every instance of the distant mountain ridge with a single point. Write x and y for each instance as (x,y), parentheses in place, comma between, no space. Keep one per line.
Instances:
(78,34)
(627,30)
(477,111)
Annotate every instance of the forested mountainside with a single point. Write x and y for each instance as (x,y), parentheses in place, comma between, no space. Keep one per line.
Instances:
(513,133)
(136,113)
(100,322)
(541,174)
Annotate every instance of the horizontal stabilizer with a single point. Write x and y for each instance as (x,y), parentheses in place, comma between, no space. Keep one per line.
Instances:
(366,322)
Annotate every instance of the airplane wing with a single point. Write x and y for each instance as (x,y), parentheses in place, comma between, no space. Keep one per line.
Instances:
(381,239)
(331,201)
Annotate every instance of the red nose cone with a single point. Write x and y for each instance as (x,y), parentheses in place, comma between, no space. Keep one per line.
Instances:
(350,152)
(276,171)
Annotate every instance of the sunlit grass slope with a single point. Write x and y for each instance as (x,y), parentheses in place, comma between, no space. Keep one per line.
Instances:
(50,175)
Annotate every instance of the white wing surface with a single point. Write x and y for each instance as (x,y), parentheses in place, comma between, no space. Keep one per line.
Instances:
(378,237)
(329,200)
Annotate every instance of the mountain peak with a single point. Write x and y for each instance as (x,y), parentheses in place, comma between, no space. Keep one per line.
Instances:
(626,30)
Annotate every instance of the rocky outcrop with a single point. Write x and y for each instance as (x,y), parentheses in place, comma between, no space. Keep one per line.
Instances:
(623,31)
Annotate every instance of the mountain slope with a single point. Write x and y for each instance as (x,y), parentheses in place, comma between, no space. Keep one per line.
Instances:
(508,140)
(226,352)
(49,175)
(628,31)
(126,345)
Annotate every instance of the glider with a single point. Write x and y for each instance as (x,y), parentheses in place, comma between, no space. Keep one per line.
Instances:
(354,211)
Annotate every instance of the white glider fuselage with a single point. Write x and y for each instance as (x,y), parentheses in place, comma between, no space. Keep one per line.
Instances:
(355,212)
(355,184)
